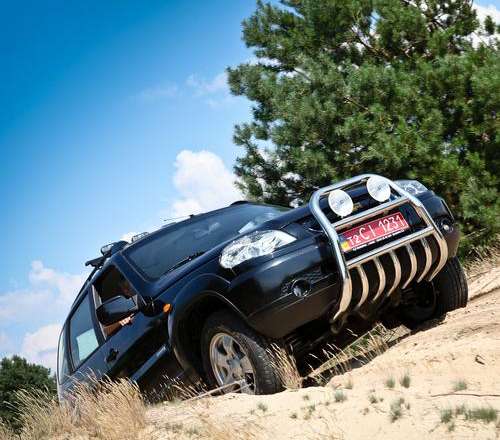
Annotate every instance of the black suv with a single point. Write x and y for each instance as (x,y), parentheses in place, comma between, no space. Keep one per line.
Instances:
(206,297)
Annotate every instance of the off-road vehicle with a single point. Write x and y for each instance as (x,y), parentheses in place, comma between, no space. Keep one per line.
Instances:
(207,297)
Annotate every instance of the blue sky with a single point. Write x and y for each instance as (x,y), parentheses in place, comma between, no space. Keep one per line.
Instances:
(114,116)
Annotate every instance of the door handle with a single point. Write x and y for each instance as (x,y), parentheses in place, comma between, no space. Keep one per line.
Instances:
(111,355)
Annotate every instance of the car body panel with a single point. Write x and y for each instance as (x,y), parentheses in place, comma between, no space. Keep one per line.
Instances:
(259,291)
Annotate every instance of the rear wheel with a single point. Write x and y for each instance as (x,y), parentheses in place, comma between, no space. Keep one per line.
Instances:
(237,358)
(447,291)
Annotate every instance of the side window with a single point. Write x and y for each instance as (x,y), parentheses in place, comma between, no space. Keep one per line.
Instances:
(62,357)
(112,283)
(82,336)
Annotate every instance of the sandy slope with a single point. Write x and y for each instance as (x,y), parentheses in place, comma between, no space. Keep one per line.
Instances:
(465,346)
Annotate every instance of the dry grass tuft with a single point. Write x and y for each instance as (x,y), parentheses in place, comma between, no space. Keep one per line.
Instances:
(363,350)
(483,261)
(108,410)
(41,415)
(116,411)
(286,366)
(201,423)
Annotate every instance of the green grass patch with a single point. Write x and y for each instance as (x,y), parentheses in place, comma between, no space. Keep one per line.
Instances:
(340,396)
(446,415)
(485,414)
(262,406)
(405,380)
(396,409)
(390,383)
(460,385)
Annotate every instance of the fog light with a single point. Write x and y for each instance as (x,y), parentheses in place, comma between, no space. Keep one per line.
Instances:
(340,202)
(446,225)
(378,188)
(300,287)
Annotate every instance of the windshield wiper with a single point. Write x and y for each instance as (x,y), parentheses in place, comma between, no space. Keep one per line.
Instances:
(185,260)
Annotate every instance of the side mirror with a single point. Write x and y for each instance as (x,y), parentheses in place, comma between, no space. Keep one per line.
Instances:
(116,308)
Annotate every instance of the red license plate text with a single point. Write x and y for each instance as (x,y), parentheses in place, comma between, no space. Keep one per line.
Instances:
(372,232)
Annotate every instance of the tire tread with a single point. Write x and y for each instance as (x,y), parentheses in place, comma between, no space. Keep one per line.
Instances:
(452,286)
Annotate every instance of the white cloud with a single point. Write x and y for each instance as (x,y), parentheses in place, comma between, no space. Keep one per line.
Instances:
(483,11)
(204,183)
(41,346)
(215,91)
(66,285)
(491,10)
(158,93)
(203,87)
(19,306)
(27,316)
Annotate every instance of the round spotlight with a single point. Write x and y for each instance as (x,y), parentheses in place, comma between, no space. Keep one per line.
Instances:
(378,188)
(340,202)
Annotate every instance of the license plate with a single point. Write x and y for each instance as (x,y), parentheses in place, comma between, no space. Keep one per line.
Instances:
(372,232)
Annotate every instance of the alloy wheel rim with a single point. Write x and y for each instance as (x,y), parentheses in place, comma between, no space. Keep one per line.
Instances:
(231,365)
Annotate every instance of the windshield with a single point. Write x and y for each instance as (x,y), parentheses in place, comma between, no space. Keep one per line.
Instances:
(157,254)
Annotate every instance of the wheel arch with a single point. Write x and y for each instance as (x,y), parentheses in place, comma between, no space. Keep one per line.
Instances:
(192,306)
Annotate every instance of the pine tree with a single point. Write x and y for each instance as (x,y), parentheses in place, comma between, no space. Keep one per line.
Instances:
(17,374)
(403,88)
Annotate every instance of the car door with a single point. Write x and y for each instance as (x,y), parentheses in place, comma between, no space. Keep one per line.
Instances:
(83,343)
(138,350)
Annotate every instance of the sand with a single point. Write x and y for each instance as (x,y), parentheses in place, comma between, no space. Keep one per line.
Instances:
(464,349)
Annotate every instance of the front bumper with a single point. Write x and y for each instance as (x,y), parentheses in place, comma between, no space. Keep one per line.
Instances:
(358,284)
(347,266)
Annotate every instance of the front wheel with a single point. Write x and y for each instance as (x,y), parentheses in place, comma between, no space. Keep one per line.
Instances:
(236,358)
(447,291)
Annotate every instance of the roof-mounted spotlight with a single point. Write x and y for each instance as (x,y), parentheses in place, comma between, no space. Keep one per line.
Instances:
(379,188)
(340,202)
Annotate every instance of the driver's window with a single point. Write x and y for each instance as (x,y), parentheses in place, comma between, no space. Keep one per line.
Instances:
(112,283)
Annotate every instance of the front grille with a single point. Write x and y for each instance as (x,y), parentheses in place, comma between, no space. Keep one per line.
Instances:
(378,278)
(373,273)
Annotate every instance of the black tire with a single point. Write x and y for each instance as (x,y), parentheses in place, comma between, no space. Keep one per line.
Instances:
(448,291)
(258,349)
(451,286)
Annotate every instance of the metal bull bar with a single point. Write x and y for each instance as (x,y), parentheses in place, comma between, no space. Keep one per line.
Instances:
(356,263)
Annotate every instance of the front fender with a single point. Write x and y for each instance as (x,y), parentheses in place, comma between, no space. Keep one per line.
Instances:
(201,288)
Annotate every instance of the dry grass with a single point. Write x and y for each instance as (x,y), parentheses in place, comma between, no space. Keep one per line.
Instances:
(230,429)
(364,349)
(115,411)
(484,260)
(199,421)
(286,366)
(6,433)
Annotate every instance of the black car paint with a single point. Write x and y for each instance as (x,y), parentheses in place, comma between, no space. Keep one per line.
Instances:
(155,344)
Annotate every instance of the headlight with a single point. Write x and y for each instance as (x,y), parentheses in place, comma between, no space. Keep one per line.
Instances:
(253,245)
(378,187)
(413,187)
